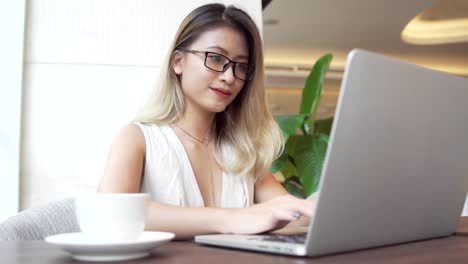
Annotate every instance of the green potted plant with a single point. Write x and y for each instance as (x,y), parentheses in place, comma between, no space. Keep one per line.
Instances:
(305,138)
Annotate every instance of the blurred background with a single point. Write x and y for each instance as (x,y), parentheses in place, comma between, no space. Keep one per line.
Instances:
(433,34)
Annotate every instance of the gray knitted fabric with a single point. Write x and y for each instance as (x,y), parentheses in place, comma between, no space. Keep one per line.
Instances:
(37,223)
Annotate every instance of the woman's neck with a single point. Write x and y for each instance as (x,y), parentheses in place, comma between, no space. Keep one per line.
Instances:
(196,122)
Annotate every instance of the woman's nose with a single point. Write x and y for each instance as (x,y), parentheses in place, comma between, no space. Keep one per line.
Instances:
(228,74)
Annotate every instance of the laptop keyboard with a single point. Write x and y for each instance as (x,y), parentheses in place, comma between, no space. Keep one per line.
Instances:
(295,239)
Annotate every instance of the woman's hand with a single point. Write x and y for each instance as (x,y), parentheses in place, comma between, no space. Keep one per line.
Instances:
(268,216)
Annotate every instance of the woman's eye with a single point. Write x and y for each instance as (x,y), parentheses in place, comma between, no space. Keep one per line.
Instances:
(243,67)
(216,58)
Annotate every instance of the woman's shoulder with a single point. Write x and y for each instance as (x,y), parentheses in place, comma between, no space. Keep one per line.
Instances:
(152,131)
(144,127)
(130,136)
(131,131)
(149,135)
(139,138)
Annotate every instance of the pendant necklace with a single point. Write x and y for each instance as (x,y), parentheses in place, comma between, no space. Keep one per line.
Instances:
(203,142)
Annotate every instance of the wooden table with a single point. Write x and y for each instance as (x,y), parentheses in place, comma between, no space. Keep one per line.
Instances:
(453,249)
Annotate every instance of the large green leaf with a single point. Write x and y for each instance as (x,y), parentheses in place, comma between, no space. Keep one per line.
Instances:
(289,124)
(313,86)
(290,146)
(309,156)
(280,162)
(289,170)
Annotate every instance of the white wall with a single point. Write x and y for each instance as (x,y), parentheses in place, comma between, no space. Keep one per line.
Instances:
(11,73)
(89,66)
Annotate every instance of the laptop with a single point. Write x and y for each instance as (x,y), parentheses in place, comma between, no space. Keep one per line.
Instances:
(396,166)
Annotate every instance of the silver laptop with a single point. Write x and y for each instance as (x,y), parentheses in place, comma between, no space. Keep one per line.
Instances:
(396,166)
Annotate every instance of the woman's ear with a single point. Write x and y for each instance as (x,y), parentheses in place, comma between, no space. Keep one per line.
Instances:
(177,62)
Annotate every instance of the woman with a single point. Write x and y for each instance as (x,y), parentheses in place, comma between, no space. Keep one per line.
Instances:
(203,145)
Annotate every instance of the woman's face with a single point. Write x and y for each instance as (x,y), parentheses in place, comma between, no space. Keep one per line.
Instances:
(205,88)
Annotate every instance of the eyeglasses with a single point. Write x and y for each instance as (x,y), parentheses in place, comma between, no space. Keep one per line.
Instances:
(220,63)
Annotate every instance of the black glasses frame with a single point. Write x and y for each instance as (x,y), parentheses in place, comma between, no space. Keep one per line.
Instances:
(250,71)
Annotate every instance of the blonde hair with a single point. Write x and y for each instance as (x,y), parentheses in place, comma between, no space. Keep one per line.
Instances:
(247,139)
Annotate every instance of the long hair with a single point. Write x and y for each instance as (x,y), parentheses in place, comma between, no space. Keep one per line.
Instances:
(246,137)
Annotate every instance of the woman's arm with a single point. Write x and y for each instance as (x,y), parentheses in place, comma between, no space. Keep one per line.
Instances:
(268,188)
(125,162)
(123,174)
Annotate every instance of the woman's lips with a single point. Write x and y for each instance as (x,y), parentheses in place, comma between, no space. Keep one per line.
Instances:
(221,93)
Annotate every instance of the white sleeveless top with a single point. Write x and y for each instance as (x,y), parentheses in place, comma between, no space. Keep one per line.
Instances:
(169,177)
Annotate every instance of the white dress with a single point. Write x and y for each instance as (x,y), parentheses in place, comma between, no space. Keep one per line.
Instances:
(169,177)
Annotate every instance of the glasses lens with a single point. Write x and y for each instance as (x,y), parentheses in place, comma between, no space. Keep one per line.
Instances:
(215,61)
(241,71)
(218,62)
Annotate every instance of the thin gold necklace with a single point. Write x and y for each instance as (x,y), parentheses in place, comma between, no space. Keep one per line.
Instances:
(204,142)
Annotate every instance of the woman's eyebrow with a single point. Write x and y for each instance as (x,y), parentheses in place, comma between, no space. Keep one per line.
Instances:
(226,52)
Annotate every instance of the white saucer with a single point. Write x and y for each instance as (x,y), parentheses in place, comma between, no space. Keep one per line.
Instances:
(85,249)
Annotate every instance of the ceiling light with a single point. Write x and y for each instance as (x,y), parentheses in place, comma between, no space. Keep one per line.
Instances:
(443,23)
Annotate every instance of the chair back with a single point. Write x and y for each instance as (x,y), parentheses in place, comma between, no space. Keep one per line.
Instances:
(37,223)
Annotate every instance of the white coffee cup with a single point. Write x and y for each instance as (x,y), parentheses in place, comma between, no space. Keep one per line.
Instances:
(112,216)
